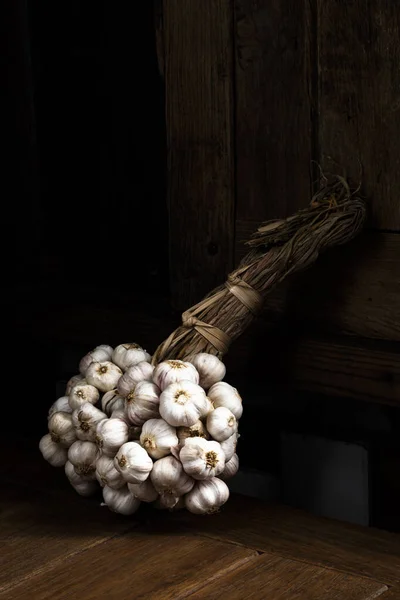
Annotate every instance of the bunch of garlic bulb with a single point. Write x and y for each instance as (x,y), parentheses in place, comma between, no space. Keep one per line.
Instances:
(164,435)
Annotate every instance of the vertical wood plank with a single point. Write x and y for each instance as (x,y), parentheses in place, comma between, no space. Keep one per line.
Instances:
(274,107)
(199,96)
(359,89)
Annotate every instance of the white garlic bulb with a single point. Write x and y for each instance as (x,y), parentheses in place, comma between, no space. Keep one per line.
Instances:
(196,430)
(86,488)
(231,468)
(54,453)
(143,371)
(157,438)
(121,500)
(183,403)
(223,394)
(169,478)
(145,491)
(61,429)
(60,405)
(82,393)
(221,424)
(107,474)
(73,381)
(83,456)
(229,446)
(85,419)
(171,371)
(209,367)
(99,354)
(103,375)
(72,475)
(110,435)
(143,403)
(128,355)
(207,496)
(147,356)
(133,462)
(202,459)
(111,401)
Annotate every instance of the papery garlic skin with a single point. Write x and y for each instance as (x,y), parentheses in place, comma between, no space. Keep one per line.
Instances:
(128,355)
(61,429)
(207,496)
(99,354)
(73,381)
(223,394)
(157,438)
(133,462)
(202,459)
(107,474)
(103,375)
(145,491)
(55,454)
(60,405)
(210,369)
(231,468)
(83,456)
(169,478)
(82,393)
(143,371)
(229,446)
(196,430)
(143,403)
(183,403)
(221,424)
(111,401)
(120,501)
(171,371)
(85,419)
(110,435)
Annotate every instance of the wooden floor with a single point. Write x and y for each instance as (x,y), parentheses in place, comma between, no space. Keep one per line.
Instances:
(56,545)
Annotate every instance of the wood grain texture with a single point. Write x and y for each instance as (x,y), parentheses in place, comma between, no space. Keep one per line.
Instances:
(273,107)
(359,99)
(281,579)
(141,565)
(199,99)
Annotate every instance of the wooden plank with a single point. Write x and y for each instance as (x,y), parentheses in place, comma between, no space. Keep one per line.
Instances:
(279,578)
(198,85)
(141,565)
(273,107)
(359,98)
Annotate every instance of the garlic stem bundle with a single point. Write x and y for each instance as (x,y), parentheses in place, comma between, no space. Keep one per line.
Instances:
(121,500)
(107,474)
(202,459)
(128,355)
(110,435)
(83,456)
(231,468)
(171,371)
(133,462)
(229,446)
(170,480)
(210,369)
(221,424)
(61,429)
(223,394)
(143,371)
(73,381)
(157,438)
(196,430)
(111,401)
(145,491)
(143,403)
(54,453)
(183,403)
(60,405)
(99,354)
(85,419)
(103,375)
(207,496)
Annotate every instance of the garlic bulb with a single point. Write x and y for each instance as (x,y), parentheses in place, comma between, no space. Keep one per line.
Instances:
(202,459)
(82,393)
(128,355)
(183,403)
(60,405)
(164,503)
(55,454)
(143,403)
(171,371)
(111,401)
(86,488)
(83,456)
(85,419)
(196,430)
(99,354)
(120,501)
(158,437)
(133,462)
(207,496)
(107,474)
(229,446)
(110,435)
(145,491)
(143,371)
(231,468)
(72,475)
(103,375)
(223,394)
(147,356)
(209,367)
(221,424)
(169,478)
(73,381)
(61,429)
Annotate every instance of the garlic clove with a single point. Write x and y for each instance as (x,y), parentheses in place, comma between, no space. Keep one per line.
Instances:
(85,419)
(143,403)
(207,496)
(110,435)
(83,456)
(157,437)
(54,453)
(229,446)
(210,369)
(143,371)
(103,375)
(120,501)
(73,381)
(202,459)
(60,405)
(133,462)
(196,430)
(128,355)
(145,491)
(168,477)
(61,429)
(183,403)
(221,424)
(231,468)
(99,354)
(111,401)
(223,394)
(82,393)
(171,371)
(107,474)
